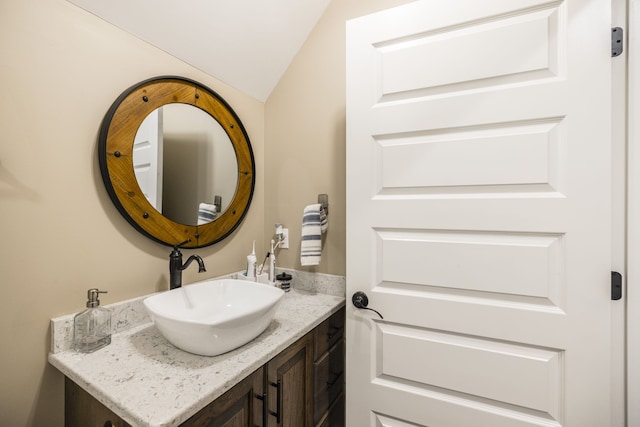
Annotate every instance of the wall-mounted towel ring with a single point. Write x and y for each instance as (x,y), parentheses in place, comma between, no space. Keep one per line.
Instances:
(323,199)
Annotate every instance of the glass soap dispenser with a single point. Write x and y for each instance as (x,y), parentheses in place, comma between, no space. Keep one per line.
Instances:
(92,327)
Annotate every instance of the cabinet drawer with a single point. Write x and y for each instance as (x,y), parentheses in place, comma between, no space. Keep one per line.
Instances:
(336,415)
(328,379)
(328,333)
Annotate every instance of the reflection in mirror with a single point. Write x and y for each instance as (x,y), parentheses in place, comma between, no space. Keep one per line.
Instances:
(185,164)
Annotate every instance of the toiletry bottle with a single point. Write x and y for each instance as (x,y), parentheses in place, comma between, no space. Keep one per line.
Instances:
(272,264)
(92,327)
(251,263)
(284,281)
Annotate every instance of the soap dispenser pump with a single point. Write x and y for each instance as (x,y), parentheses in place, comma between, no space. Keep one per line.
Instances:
(92,327)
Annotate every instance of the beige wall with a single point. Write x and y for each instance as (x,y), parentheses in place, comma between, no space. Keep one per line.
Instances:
(305,134)
(60,234)
(61,69)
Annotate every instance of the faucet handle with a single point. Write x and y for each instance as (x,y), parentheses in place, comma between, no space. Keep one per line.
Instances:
(179,245)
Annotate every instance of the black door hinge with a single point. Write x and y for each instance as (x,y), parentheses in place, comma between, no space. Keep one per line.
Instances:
(617,44)
(616,285)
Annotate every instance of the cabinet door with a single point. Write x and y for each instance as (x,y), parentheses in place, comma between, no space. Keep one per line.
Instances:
(241,406)
(290,385)
(83,410)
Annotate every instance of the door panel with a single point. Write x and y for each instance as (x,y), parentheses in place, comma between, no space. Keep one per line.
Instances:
(501,50)
(148,157)
(461,363)
(478,214)
(525,265)
(517,153)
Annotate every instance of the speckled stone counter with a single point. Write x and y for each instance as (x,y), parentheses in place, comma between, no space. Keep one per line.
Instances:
(148,382)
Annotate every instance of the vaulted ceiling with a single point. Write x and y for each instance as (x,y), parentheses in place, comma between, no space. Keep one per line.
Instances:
(247,44)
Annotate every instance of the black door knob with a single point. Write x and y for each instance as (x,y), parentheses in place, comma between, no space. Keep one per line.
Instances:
(361,301)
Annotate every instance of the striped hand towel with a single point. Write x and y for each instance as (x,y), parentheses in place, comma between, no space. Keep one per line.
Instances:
(314,223)
(206,213)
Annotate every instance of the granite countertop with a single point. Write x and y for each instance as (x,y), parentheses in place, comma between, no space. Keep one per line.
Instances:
(148,382)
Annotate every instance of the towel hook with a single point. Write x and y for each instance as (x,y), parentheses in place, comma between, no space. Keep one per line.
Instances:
(323,199)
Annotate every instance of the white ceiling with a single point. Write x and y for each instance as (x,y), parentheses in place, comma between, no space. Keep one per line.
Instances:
(247,44)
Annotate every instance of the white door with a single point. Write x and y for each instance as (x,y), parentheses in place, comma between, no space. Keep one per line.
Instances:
(147,157)
(478,214)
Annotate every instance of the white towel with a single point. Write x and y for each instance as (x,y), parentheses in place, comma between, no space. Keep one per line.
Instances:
(206,213)
(314,223)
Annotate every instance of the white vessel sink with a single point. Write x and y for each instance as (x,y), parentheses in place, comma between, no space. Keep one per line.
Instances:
(214,316)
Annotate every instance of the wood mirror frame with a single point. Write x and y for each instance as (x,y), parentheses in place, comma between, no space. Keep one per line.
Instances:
(115,153)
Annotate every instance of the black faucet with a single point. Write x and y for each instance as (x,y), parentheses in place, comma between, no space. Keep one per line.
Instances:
(176,266)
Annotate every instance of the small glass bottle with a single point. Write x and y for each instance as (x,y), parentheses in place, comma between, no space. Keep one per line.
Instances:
(92,327)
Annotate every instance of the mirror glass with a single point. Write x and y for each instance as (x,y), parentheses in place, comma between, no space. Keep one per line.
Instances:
(185,164)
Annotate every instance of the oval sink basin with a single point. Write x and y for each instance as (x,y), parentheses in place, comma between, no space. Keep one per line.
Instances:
(214,316)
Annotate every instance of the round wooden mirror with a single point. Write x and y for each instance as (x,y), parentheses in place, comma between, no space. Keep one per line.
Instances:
(177,182)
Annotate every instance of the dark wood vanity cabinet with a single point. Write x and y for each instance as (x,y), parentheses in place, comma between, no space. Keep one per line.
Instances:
(303,386)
